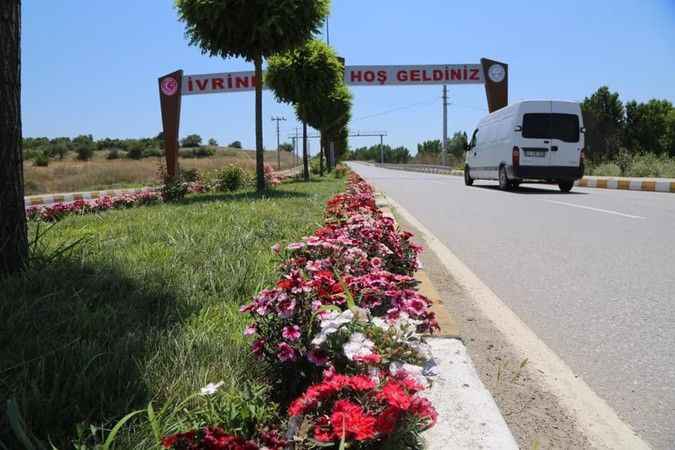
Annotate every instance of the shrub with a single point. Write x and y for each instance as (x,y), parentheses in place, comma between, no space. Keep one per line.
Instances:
(647,165)
(231,178)
(84,150)
(213,142)
(606,169)
(204,152)
(135,152)
(190,175)
(113,153)
(173,189)
(186,153)
(314,166)
(235,144)
(152,152)
(192,140)
(57,149)
(41,160)
(341,171)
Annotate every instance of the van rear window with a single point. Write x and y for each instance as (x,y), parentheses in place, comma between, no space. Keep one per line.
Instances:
(564,127)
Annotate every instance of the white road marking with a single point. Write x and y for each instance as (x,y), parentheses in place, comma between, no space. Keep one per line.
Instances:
(598,421)
(606,211)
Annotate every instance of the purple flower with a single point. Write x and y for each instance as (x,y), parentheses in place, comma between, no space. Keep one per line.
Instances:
(250,330)
(317,357)
(291,332)
(286,352)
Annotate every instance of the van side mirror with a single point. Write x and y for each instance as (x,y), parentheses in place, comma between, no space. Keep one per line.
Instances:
(582,129)
(467,147)
(518,129)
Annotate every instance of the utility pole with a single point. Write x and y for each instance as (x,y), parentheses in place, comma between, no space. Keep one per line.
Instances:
(444,155)
(381,150)
(277,120)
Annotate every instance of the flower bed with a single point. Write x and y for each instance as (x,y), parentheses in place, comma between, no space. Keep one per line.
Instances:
(340,333)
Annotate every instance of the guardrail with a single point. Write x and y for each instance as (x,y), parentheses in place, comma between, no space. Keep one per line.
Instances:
(426,168)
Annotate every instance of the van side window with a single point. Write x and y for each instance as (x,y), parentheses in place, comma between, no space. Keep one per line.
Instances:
(474,138)
(564,127)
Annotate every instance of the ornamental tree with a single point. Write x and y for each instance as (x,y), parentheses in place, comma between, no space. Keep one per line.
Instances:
(302,75)
(253,30)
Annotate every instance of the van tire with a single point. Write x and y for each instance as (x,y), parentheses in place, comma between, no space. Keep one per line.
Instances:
(566,186)
(467,177)
(504,183)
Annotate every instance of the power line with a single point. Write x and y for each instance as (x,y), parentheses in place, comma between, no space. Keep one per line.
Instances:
(278,119)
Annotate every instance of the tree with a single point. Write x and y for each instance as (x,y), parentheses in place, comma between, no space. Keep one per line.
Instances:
(235,144)
(286,147)
(649,126)
(213,142)
(457,144)
(13,231)
(430,147)
(84,147)
(302,75)
(253,30)
(192,140)
(604,121)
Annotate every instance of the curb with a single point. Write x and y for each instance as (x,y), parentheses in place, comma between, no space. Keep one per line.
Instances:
(620,183)
(48,199)
(468,417)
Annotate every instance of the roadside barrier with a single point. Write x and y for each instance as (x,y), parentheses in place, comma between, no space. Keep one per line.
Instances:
(48,199)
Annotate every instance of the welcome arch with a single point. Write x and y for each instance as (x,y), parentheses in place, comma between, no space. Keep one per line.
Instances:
(173,86)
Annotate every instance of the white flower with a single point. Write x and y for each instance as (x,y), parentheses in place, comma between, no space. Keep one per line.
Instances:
(380,323)
(374,374)
(211,388)
(331,322)
(413,371)
(358,345)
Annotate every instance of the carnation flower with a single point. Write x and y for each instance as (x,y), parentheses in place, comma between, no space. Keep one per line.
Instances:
(286,352)
(291,332)
(258,346)
(358,346)
(211,388)
(250,330)
(416,373)
(295,245)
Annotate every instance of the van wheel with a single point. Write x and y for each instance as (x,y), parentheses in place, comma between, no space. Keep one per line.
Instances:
(467,177)
(566,186)
(504,183)
(515,184)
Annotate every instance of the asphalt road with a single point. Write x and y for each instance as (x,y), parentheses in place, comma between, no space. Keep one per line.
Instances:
(591,272)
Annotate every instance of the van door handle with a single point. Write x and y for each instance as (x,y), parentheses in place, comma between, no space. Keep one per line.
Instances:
(554,148)
(546,142)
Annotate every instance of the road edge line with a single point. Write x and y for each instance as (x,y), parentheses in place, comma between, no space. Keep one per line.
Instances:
(597,420)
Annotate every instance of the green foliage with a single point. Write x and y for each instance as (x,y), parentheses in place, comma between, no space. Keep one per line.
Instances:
(204,152)
(113,153)
(213,142)
(606,169)
(192,140)
(147,310)
(651,127)
(398,155)
(190,175)
(250,29)
(173,189)
(432,147)
(57,149)
(186,153)
(235,144)
(135,150)
(457,144)
(84,149)
(604,121)
(286,147)
(152,152)
(231,178)
(41,159)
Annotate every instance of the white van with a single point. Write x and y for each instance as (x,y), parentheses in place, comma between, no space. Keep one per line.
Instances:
(538,140)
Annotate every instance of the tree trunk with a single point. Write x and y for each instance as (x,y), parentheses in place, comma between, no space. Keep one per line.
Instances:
(320,153)
(13,232)
(259,152)
(305,155)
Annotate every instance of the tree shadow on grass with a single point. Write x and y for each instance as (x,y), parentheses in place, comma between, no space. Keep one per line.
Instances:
(242,196)
(74,340)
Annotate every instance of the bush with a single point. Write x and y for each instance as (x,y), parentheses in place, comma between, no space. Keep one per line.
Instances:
(186,153)
(647,165)
(606,169)
(135,152)
(152,152)
(341,171)
(204,152)
(113,153)
(173,189)
(231,178)
(190,175)
(57,149)
(41,160)
(84,150)
(314,166)
(235,144)
(192,140)
(213,142)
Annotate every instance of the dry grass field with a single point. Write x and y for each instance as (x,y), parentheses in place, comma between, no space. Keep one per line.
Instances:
(71,175)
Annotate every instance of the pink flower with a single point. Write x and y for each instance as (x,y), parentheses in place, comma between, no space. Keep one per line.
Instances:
(285,306)
(250,330)
(295,245)
(376,262)
(258,346)
(286,352)
(291,332)
(317,357)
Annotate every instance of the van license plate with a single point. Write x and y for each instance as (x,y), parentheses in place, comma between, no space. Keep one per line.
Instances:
(535,153)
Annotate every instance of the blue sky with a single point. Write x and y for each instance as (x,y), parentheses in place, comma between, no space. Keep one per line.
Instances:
(92,66)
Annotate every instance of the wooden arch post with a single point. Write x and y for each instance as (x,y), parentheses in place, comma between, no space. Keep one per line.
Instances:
(170,93)
(496,76)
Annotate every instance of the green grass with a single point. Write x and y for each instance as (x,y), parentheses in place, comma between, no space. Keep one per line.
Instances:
(638,165)
(145,309)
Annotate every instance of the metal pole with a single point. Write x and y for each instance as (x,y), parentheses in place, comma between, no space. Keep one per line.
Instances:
(278,119)
(381,151)
(444,156)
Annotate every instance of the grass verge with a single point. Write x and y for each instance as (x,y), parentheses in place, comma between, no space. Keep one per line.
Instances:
(147,308)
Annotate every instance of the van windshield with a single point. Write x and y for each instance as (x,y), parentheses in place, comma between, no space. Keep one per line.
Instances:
(551,126)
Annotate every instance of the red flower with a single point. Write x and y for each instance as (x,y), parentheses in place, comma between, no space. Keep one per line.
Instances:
(386,421)
(395,396)
(422,408)
(323,431)
(349,420)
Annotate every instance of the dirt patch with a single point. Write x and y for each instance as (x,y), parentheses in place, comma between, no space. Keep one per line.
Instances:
(533,414)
